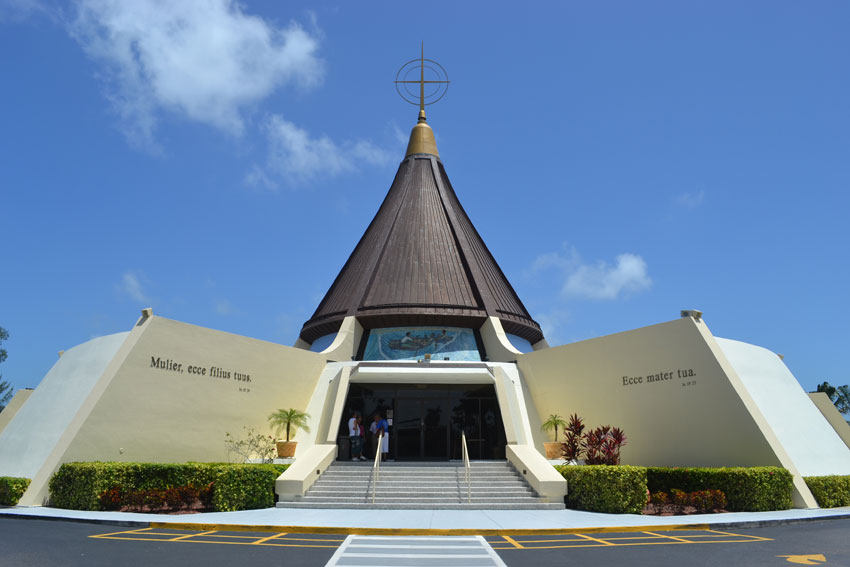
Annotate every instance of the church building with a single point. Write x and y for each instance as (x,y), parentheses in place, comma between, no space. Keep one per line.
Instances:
(422,327)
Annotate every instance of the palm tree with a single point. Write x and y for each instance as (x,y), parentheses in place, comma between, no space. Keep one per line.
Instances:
(838,395)
(827,389)
(842,398)
(554,422)
(289,419)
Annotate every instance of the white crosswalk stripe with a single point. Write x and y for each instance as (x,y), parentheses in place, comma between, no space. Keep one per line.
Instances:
(415,551)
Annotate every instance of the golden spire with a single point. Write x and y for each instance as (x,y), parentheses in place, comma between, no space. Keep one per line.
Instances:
(422,137)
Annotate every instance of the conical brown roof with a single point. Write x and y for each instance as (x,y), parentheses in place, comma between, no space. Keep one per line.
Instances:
(421,262)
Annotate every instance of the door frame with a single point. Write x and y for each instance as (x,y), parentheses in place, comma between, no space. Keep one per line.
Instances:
(422,403)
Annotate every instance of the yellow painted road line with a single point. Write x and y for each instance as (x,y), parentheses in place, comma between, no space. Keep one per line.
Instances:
(267,544)
(758,538)
(596,545)
(528,541)
(512,541)
(298,545)
(602,541)
(580,539)
(265,539)
(120,533)
(638,540)
(314,539)
(164,534)
(270,544)
(418,532)
(134,539)
(710,535)
(732,541)
(662,541)
(681,539)
(213,535)
(187,536)
(228,536)
(630,538)
(575,540)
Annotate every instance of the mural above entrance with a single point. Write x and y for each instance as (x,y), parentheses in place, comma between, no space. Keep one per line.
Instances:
(412,343)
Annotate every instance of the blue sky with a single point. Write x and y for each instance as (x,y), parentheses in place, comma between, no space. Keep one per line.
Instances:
(622,160)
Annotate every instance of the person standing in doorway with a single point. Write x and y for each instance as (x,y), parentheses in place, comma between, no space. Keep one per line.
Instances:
(384,426)
(354,437)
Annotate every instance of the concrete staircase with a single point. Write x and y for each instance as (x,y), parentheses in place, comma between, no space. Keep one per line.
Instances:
(423,486)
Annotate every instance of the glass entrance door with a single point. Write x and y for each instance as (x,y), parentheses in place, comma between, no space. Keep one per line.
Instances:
(426,420)
(407,426)
(421,428)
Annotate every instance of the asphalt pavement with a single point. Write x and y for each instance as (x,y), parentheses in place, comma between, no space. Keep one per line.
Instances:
(49,543)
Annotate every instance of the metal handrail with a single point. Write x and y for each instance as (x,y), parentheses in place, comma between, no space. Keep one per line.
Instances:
(466,466)
(376,466)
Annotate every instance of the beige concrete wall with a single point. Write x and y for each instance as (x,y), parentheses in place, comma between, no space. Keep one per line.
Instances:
(17,401)
(89,378)
(692,416)
(832,415)
(213,383)
(670,388)
(305,471)
(536,471)
(172,393)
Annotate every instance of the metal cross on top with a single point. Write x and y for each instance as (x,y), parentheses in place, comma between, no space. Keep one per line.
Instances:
(437,77)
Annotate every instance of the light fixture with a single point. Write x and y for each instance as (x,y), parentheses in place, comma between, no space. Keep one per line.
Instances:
(697,315)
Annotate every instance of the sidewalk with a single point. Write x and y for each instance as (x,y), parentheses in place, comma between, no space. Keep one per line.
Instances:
(423,522)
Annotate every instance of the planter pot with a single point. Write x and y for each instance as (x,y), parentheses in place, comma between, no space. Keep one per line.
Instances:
(286,449)
(553,450)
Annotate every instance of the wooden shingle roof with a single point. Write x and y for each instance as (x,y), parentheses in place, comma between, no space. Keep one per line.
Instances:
(421,262)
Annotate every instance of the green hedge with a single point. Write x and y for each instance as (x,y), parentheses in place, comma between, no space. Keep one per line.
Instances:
(601,488)
(11,489)
(830,491)
(747,489)
(79,486)
(245,487)
(622,489)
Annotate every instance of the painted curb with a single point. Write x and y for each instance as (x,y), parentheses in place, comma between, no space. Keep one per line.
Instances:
(200,526)
(102,521)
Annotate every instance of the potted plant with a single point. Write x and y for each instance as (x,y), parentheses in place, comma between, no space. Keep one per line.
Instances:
(289,419)
(553,449)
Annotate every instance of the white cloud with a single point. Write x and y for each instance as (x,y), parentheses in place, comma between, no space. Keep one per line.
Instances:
(223,307)
(295,156)
(401,137)
(551,323)
(690,200)
(603,281)
(599,280)
(131,286)
(562,260)
(205,60)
